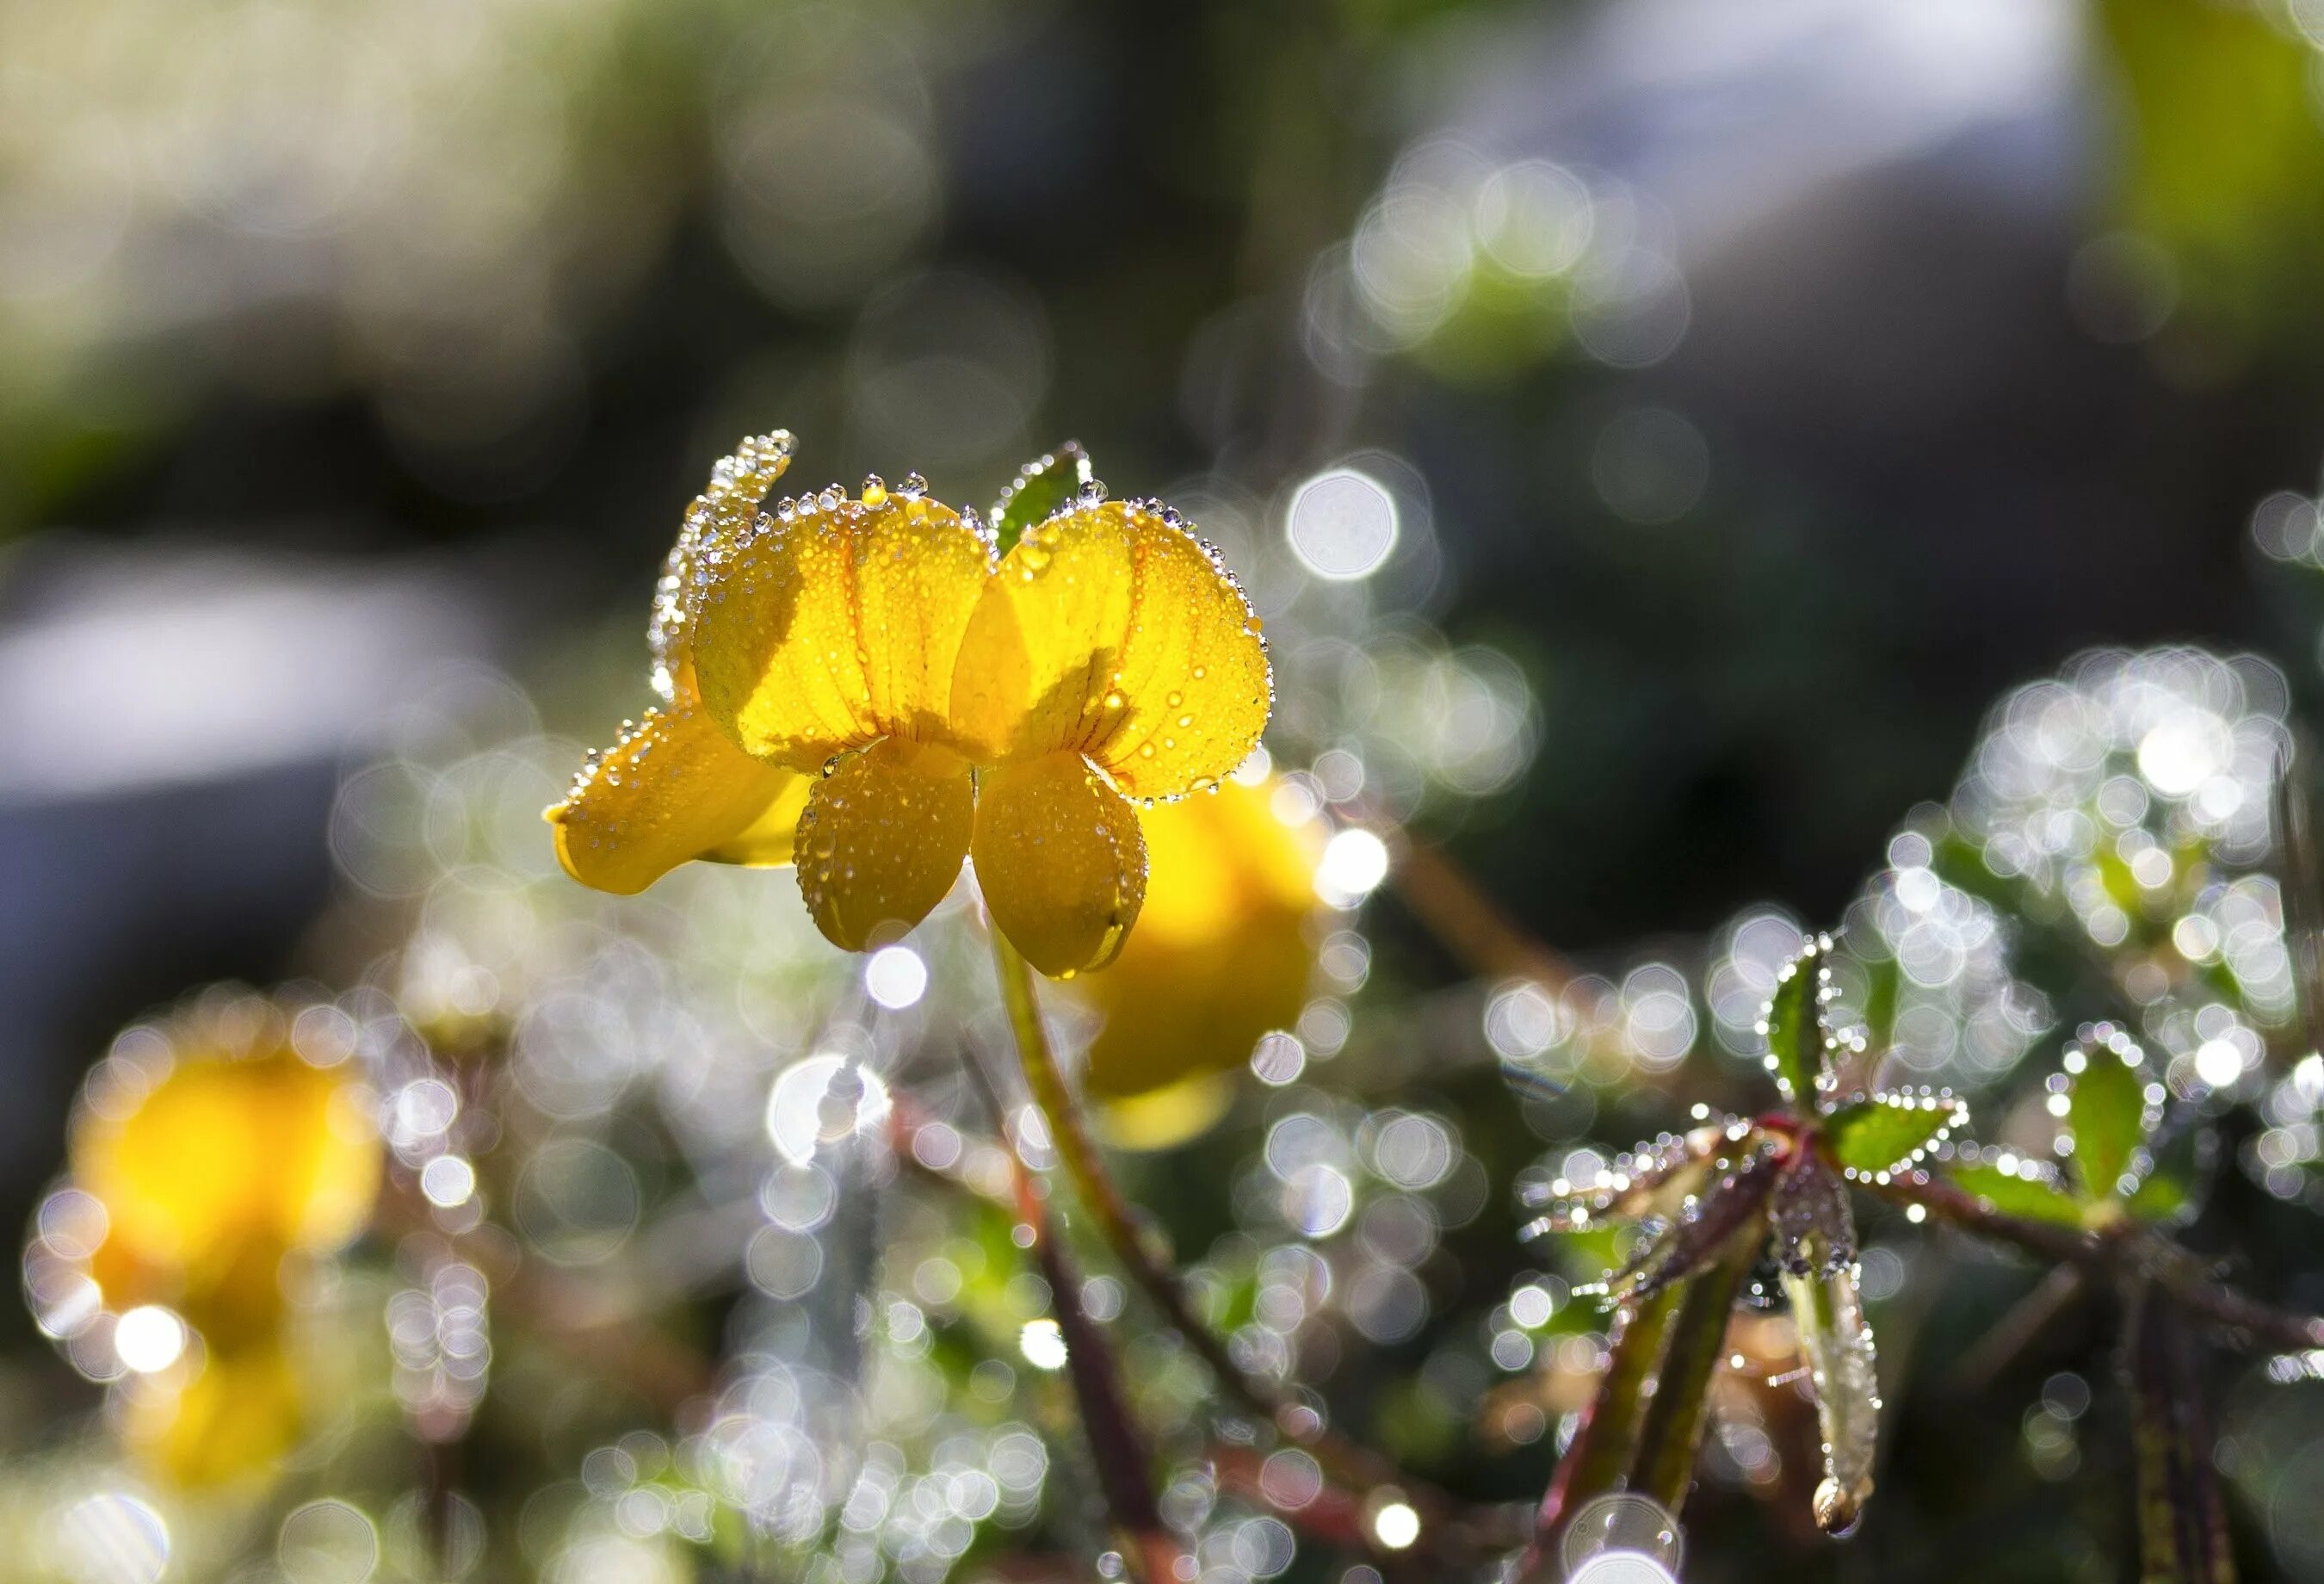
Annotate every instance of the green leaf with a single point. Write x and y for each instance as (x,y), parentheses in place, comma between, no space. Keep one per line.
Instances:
(1836,1344)
(1873,1137)
(2037,1199)
(1794,1027)
(1694,1239)
(1040,488)
(2171,1190)
(2108,1115)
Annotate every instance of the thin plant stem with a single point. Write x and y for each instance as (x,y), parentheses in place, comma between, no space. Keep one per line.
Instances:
(1115,1444)
(1346,1461)
(2217,1305)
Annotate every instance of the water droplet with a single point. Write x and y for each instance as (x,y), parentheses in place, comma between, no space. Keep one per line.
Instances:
(1113,701)
(913,487)
(875,490)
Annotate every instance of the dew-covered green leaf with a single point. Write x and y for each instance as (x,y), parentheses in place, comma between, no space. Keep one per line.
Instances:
(1836,1346)
(1813,1226)
(1040,487)
(1873,1137)
(1794,1027)
(2172,1189)
(2036,1199)
(1695,1236)
(2108,1114)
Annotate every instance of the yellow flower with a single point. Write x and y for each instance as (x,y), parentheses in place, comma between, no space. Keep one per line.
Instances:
(240,1416)
(1225,952)
(240,1152)
(934,700)
(212,1151)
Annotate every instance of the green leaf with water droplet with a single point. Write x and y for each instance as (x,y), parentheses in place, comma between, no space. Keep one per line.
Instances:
(2172,1189)
(1794,1028)
(2106,1118)
(1040,487)
(1888,1132)
(2035,1198)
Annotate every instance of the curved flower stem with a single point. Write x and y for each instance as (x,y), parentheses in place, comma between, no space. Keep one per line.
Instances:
(1348,1463)
(1468,924)
(2173,1268)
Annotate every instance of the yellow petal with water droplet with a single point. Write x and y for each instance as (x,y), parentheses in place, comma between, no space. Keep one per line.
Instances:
(882,839)
(727,505)
(838,626)
(1222,952)
(674,788)
(1111,632)
(1061,861)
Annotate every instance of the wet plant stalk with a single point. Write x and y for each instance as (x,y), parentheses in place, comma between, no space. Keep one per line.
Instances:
(1663,1466)
(2183,1525)
(2244,1319)
(1119,1450)
(1346,1462)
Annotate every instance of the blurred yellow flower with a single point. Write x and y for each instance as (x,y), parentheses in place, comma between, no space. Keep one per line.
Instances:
(868,659)
(241,1415)
(1225,952)
(206,1152)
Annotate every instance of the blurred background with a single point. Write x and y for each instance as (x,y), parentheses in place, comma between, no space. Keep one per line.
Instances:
(1656,433)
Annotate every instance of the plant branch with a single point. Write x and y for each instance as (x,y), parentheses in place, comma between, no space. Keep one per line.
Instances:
(1123,1464)
(1469,924)
(2221,1307)
(1450,1528)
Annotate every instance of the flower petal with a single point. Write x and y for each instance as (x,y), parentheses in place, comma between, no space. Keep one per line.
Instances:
(1111,631)
(727,505)
(882,839)
(673,788)
(1060,859)
(828,627)
(1222,953)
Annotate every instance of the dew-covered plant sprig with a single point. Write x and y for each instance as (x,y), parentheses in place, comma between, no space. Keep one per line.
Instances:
(1709,1201)
(1710,1204)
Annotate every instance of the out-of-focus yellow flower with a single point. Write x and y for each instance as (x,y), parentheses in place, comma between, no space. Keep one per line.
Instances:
(240,1415)
(205,1154)
(871,661)
(230,1161)
(1225,952)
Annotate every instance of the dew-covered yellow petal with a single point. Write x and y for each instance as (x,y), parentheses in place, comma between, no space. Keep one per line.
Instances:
(882,839)
(830,626)
(671,789)
(1111,631)
(1224,950)
(727,506)
(228,1156)
(1060,861)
